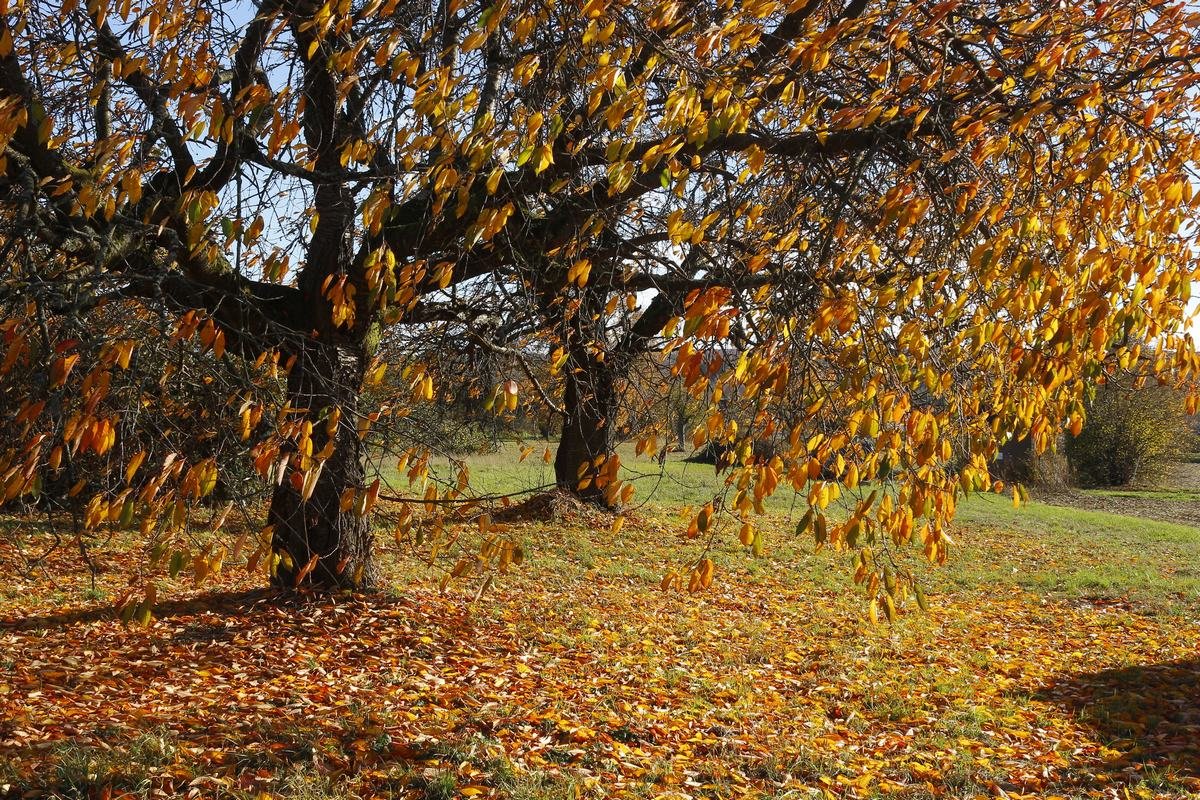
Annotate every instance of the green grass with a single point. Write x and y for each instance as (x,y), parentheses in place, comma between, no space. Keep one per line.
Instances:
(673,484)
(1076,552)
(1062,551)
(79,768)
(996,511)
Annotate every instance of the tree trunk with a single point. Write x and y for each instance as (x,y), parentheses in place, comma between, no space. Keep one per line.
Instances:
(325,377)
(679,421)
(589,404)
(594,366)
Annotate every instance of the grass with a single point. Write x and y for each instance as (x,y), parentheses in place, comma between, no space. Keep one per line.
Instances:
(80,767)
(1173,495)
(1079,553)
(1062,551)
(675,483)
(575,677)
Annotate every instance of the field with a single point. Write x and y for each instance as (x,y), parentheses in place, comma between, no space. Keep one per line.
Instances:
(1175,497)
(1059,659)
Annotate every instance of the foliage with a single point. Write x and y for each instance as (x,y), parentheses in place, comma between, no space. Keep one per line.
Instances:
(1129,435)
(167,399)
(1018,462)
(435,427)
(899,233)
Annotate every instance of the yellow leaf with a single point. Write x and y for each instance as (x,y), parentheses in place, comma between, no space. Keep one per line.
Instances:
(310,481)
(135,462)
(543,157)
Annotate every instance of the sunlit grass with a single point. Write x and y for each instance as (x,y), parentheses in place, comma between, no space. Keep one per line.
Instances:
(574,676)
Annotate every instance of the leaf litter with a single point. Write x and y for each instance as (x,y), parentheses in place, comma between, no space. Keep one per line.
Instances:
(576,677)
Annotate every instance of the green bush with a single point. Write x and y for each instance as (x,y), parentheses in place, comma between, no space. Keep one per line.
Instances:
(1130,435)
(438,428)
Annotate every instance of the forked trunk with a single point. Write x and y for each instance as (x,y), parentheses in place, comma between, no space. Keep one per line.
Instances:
(328,548)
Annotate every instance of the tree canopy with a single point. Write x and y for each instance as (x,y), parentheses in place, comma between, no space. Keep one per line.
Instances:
(895,233)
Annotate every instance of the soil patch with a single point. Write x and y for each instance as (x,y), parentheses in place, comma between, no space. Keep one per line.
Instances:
(1176,500)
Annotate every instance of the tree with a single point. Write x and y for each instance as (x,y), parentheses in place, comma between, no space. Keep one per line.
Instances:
(874,203)
(1129,435)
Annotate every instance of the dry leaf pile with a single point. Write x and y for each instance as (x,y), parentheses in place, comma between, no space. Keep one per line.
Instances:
(577,678)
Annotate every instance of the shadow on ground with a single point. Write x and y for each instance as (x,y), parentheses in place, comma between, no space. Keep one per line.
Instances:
(229,602)
(232,693)
(1148,713)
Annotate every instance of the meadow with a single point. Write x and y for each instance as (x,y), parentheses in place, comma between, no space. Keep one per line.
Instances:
(1059,658)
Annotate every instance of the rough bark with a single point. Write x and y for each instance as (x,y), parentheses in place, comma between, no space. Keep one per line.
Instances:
(325,377)
(594,367)
(589,406)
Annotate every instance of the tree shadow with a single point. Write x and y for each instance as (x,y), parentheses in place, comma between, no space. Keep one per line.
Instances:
(1148,713)
(284,654)
(223,602)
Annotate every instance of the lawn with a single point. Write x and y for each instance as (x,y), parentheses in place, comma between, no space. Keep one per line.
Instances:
(1179,495)
(1059,659)
(676,482)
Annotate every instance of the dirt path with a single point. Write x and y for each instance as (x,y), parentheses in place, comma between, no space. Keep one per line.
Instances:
(1176,500)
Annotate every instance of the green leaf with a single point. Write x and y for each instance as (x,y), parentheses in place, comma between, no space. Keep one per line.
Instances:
(922,602)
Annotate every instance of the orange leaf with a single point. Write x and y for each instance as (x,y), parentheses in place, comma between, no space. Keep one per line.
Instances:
(307,569)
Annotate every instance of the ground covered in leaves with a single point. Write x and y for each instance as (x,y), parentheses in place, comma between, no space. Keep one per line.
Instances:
(1173,496)
(576,677)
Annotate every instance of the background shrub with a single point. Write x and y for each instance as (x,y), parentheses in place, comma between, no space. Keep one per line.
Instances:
(1130,435)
